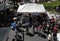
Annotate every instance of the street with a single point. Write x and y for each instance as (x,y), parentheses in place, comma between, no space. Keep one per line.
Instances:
(29,20)
(35,38)
(3,33)
(27,37)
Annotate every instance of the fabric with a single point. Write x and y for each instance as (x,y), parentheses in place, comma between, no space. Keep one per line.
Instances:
(31,8)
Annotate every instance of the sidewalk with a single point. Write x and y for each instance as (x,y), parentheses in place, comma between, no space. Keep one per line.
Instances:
(11,35)
(3,33)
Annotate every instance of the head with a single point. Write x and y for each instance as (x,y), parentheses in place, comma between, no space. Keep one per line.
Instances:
(52,16)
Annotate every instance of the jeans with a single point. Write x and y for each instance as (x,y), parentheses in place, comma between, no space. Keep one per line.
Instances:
(55,37)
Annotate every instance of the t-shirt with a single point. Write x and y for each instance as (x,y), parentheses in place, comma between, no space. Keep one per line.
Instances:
(52,19)
(55,30)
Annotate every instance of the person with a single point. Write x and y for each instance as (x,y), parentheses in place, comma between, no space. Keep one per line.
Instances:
(27,28)
(52,21)
(34,23)
(49,37)
(55,31)
(40,29)
(48,27)
(30,20)
(13,25)
(44,26)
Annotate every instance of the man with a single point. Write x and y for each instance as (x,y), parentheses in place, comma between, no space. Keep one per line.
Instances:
(14,27)
(52,21)
(55,31)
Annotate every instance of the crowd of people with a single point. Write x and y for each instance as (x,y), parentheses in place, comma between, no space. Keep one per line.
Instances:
(50,27)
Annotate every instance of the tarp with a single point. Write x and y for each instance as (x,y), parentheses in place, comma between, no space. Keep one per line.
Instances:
(31,8)
(49,15)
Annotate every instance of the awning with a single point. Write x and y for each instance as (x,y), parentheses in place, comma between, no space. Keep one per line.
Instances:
(31,8)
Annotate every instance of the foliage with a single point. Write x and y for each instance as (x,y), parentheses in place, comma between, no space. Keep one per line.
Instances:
(51,6)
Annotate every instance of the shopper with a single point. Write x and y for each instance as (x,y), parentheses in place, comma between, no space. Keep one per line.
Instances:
(52,21)
(55,31)
(40,29)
